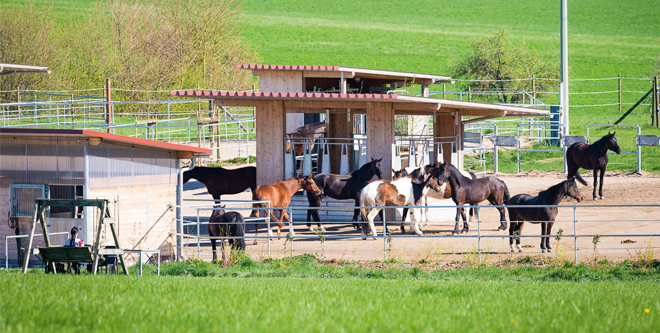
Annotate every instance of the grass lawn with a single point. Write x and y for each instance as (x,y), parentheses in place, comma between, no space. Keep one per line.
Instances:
(302,295)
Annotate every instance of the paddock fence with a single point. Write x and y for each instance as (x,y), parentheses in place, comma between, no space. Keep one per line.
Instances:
(580,233)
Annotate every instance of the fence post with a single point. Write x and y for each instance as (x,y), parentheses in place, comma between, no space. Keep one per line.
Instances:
(639,151)
(384,236)
(575,234)
(290,229)
(619,93)
(108,106)
(495,152)
(478,231)
(534,88)
(198,247)
(657,100)
(469,94)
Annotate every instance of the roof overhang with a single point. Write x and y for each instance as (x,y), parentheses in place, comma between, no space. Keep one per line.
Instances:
(6,69)
(95,138)
(349,73)
(402,104)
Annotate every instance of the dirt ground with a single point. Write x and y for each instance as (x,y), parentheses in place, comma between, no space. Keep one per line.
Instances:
(342,242)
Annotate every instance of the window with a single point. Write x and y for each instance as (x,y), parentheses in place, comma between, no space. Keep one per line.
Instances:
(22,198)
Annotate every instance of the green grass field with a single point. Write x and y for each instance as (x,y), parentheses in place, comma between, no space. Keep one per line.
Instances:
(303,295)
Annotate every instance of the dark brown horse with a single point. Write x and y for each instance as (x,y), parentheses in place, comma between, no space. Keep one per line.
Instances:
(591,157)
(219,181)
(472,191)
(279,195)
(543,215)
(342,187)
(223,224)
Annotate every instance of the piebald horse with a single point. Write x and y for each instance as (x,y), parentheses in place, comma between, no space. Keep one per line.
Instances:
(401,192)
(279,195)
(543,215)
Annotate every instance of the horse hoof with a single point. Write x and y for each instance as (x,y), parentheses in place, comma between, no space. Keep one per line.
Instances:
(455,232)
(501,227)
(520,249)
(255,242)
(465,231)
(311,229)
(595,199)
(602,197)
(323,229)
(542,250)
(549,250)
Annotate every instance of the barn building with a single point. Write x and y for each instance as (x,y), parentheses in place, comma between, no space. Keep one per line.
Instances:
(138,176)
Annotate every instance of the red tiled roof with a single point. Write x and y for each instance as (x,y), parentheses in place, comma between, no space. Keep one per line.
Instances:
(302,95)
(288,67)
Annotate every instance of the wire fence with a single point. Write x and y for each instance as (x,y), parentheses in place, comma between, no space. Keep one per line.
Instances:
(581,233)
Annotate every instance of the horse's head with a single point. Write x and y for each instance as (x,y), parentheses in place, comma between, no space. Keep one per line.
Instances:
(440,171)
(309,185)
(572,190)
(399,174)
(217,212)
(186,176)
(375,167)
(611,144)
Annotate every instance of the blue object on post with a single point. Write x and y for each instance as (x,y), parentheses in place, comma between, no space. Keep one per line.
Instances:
(555,133)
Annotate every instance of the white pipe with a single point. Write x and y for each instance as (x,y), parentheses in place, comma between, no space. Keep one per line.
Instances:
(179,210)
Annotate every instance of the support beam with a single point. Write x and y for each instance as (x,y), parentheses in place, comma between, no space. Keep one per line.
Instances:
(444,128)
(270,129)
(380,135)
(339,127)
(476,120)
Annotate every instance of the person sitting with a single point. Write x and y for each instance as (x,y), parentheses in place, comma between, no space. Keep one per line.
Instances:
(71,242)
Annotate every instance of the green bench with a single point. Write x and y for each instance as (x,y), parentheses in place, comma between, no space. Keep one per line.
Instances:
(72,255)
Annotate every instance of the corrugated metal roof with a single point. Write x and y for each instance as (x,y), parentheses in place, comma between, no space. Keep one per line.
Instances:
(280,95)
(105,137)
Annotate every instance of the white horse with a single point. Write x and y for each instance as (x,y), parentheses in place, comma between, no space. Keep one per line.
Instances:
(397,193)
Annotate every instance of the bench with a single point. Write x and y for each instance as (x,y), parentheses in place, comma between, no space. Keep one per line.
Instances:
(73,255)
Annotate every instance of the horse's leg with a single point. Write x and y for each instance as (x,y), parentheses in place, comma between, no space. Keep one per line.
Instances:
(600,189)
(548,232)
(222,248)
(288,219)
(370,219)
(414,222)
(521,224)
(458,216)
(313,213)
(595,183)
(403,220)
(502,219)
(356,212)
(466,226)
(512,228)
(543,233)
(256,224)
(425,218)
(215,256)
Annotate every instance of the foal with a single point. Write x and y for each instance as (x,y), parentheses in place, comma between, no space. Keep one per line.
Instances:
(223,224)
(279,195)
(543,215)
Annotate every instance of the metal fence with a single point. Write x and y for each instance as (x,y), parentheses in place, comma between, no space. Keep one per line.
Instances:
(575,231)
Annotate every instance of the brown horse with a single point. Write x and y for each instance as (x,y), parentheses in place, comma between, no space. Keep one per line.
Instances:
(543,215)
(223,224)
(279,195)
(472,191)
(591,157)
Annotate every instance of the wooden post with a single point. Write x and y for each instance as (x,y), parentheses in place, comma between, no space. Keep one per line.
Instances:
(469,94)
(108,106)
(270,128)
(339,127)
(380,135)
(619,93)
(443,91)
(443,127)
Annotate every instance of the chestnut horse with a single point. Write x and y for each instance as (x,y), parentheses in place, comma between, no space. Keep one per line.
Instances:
(591,157)
(473,191)
(223,224)
(279,195)
(543,215)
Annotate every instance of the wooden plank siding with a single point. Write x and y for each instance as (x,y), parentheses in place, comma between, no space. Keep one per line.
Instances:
(380,135)
(270,141)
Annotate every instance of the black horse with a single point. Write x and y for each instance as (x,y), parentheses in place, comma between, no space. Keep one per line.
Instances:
(223,224)
(472,191)
(591,157)
(342,187)
(543,215)
(219,181)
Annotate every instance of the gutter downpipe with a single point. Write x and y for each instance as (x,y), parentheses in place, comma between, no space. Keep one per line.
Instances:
(179,210)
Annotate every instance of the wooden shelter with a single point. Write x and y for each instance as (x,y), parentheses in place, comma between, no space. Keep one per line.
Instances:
(285,90)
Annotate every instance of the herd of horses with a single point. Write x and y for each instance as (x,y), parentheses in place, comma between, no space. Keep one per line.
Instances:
(408,190)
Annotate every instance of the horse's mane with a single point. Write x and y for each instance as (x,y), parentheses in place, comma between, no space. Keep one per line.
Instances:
(462,180)
(364,168)
(554,191)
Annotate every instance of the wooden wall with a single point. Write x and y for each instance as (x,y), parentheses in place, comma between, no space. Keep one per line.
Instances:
(270,141)
(445,126)
(380,135)
(339,126)
(284,81)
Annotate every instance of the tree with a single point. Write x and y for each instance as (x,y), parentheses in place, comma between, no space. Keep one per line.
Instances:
(496,63)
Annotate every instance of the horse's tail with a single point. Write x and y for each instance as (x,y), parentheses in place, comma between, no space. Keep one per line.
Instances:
(507,196)
(579,178)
